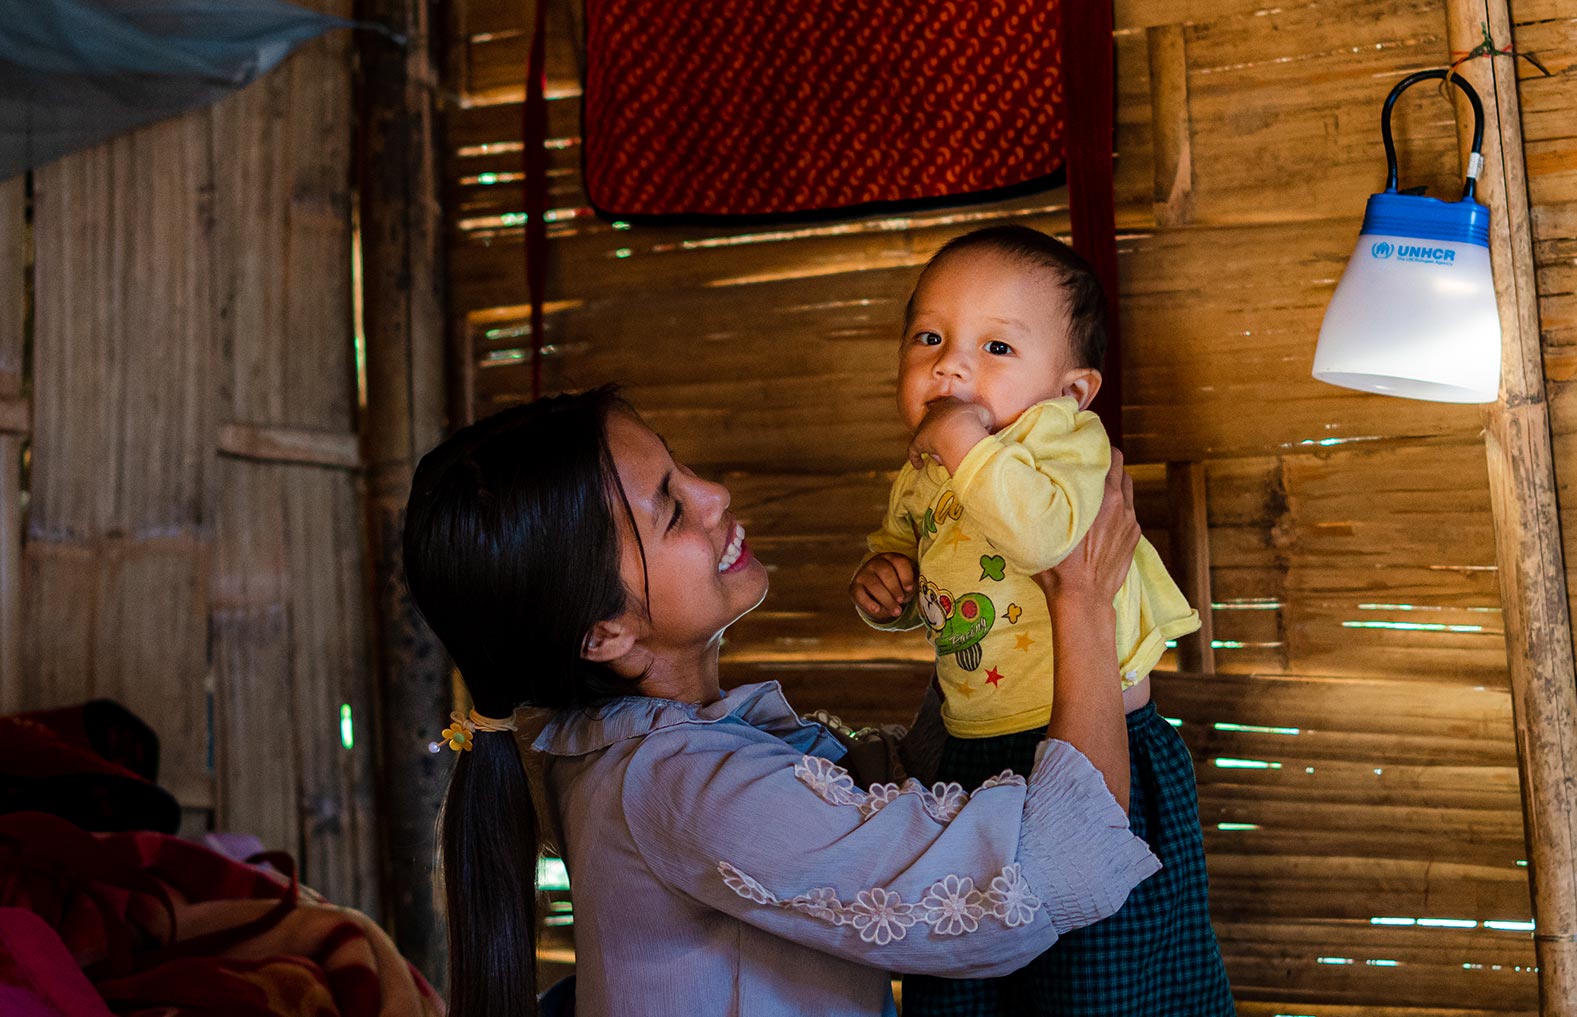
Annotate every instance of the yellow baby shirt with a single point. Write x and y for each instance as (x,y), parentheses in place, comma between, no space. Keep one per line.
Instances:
(1022,499)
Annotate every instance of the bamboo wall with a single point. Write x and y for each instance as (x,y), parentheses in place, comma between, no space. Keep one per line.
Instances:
(192,543)
(1354,749)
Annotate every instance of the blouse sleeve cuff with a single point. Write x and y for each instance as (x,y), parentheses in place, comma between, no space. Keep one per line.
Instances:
(1075,844)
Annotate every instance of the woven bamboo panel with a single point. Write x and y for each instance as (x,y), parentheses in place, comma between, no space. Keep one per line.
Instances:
(123,421)
(1355,597)
(194,538)
(282,232)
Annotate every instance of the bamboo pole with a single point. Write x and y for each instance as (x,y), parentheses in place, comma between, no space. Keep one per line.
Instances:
(1527,523)
(400,236)
(1170,131)
(15,420)
(10,572)
(1185,492)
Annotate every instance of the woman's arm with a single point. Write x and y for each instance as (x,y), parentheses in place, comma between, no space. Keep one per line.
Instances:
(940,880)
(1087,710)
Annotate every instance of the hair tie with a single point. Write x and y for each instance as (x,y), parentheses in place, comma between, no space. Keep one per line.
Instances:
(461,732)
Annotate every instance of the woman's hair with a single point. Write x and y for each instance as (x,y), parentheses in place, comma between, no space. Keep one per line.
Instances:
(1087,319)
(512,555)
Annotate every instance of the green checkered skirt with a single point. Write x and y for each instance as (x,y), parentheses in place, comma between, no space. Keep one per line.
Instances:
(1157,956)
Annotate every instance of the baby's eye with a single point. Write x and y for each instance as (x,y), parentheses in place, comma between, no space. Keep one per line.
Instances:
(928,339)
(998,348)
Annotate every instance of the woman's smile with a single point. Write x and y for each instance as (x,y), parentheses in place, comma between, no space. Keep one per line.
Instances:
(698,570)
(737,554)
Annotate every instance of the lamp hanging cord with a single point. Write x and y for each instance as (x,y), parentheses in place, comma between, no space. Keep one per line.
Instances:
(1475,161)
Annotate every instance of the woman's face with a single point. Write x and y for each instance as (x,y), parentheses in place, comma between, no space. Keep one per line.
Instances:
(700,573)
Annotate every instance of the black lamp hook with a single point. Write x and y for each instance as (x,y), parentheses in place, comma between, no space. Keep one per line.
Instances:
(1475,160)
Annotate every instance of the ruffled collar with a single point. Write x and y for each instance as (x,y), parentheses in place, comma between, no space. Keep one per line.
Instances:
(586,729)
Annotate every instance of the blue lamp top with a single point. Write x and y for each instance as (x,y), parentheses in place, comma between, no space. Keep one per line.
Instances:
(1424,218)
(1393,214)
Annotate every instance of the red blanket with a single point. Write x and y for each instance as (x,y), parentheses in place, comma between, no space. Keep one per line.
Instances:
(759,107)
(148,925)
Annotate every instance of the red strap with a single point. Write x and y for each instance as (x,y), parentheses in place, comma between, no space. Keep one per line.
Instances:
(534,158)
(1089,79)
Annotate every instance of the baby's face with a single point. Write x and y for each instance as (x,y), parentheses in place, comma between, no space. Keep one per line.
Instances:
(986,329)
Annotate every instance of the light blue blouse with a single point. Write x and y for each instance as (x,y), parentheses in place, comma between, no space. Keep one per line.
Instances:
(723,864)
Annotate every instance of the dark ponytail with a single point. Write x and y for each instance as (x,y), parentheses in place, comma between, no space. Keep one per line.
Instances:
(489,842)
(511,555)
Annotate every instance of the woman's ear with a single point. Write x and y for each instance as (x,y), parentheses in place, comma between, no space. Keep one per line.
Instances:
(608,641)
(1082,383)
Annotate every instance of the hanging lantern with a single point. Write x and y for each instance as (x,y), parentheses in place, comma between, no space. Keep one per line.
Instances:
(1414,314)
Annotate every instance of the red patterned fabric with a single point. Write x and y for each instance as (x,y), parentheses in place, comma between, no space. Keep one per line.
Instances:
(767,107)
(146,925)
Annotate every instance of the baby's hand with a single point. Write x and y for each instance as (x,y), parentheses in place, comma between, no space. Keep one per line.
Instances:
(884,586)
(950,429)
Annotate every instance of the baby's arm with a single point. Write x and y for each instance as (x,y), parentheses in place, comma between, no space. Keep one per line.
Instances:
(1034,500)
(883,588)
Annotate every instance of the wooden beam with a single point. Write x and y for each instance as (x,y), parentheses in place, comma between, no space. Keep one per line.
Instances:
(292,445)
(1170,129)
(401,234)
(1527,524)
(1185,491)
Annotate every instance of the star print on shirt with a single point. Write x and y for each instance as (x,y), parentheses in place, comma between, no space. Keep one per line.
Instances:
(1013,614)
(958,536)
(966,688)
(1024,642)
(992,677)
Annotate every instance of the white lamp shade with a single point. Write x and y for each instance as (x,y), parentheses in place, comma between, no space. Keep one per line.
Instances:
(1414,318)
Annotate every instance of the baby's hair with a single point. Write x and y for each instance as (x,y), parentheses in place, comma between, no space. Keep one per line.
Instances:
(1086,299)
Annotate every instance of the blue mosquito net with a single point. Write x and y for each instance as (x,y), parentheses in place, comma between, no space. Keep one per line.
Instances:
(76,72)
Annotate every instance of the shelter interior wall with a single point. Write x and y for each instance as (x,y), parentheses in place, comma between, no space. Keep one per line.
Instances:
(187,534)
(1355,750)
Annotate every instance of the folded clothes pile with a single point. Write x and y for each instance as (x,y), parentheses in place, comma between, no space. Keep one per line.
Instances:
(99,917)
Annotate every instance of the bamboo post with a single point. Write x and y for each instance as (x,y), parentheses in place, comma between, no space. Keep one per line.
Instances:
(1527,523)
(14,417)
(1185,492)
(400,236)
(1171,134)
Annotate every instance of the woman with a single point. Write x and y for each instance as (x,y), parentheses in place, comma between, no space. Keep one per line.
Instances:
(723,863)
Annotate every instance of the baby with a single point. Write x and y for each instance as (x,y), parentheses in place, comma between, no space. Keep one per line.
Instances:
(1003,340)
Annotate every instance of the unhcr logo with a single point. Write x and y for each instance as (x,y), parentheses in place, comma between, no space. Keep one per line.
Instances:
(1413,252)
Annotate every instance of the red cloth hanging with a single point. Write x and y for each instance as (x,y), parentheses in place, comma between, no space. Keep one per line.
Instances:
(766,108)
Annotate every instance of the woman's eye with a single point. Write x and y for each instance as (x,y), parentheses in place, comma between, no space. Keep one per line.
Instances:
(928,339)
(677,516)
(997,348)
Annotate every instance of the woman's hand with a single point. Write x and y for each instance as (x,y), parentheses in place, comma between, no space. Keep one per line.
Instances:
(1100,563)
(1087,709)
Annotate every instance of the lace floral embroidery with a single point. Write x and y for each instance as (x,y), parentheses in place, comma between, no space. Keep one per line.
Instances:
(829,780)
(1011,898)
(745,885)
(881,916)
(951,906)
(941,801)
(1007,778)
(822,903)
